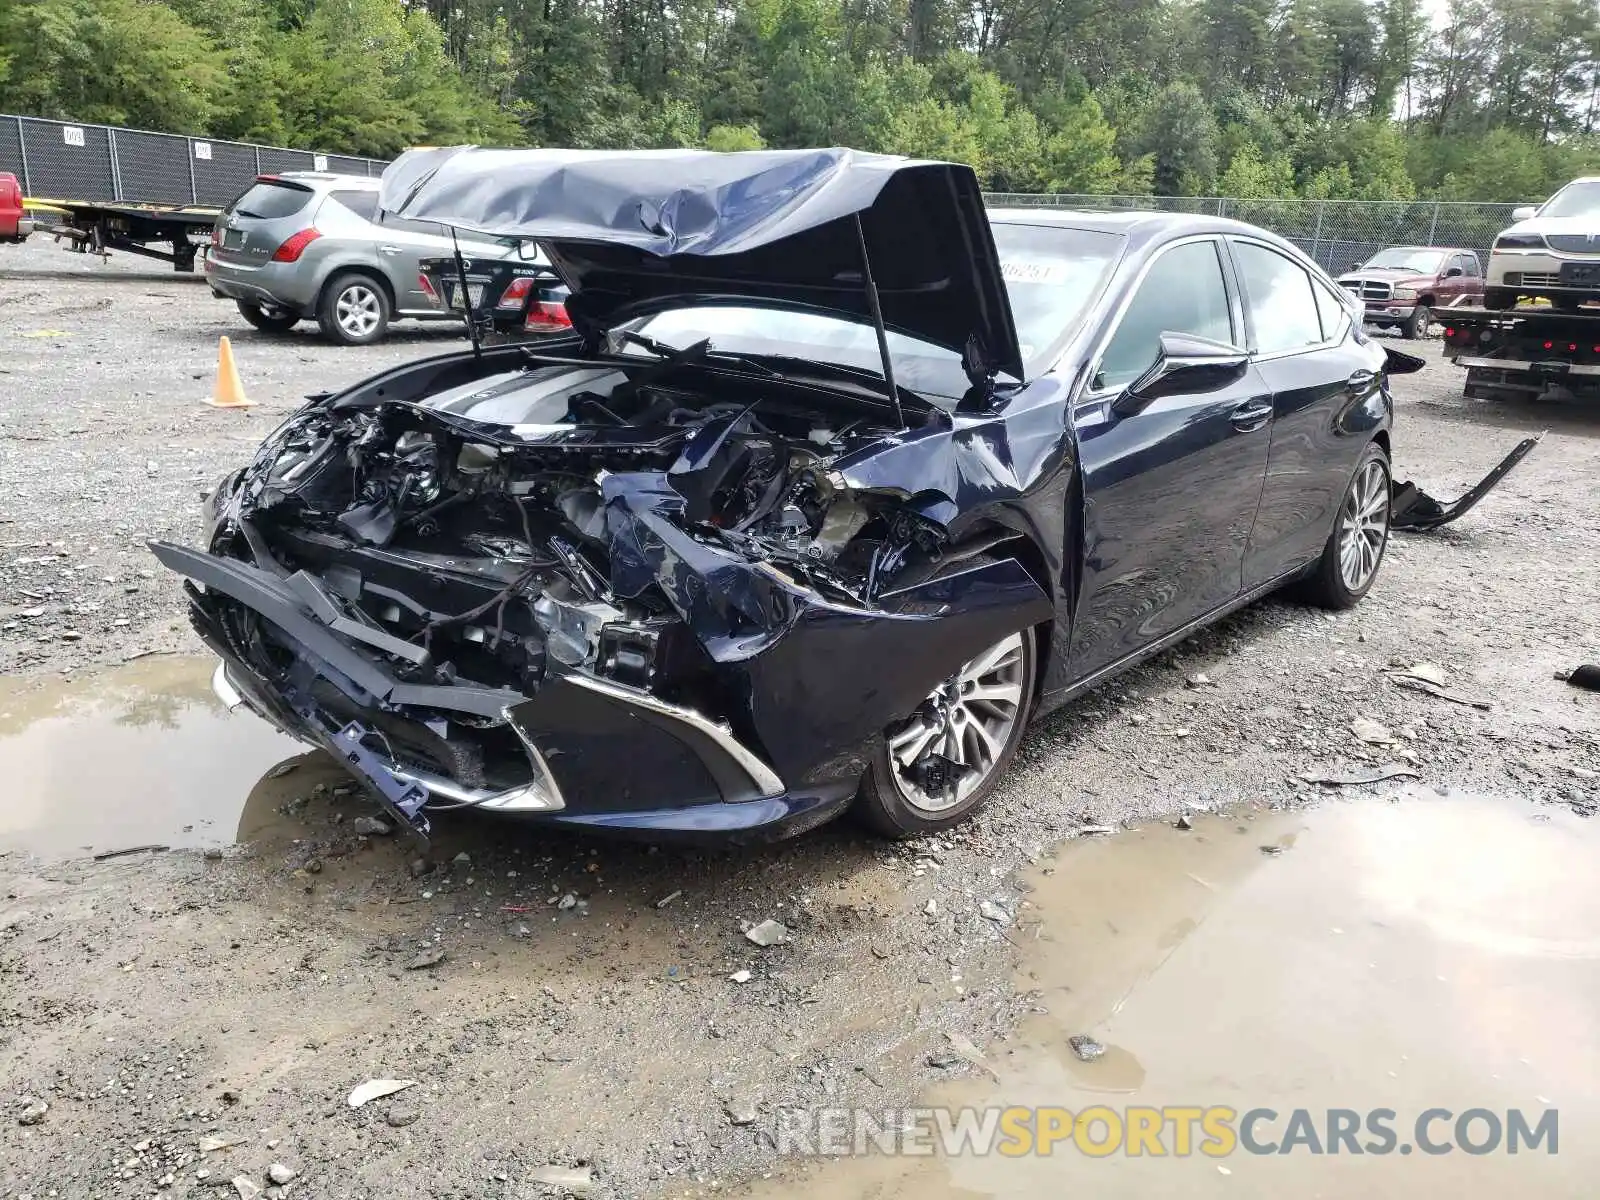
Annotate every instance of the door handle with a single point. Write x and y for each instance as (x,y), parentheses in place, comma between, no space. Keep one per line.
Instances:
(1251,415)
(1360,382)
(388,249)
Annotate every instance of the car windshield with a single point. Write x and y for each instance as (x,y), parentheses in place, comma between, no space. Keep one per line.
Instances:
(1423,262)
(1051,273)
(1574,200)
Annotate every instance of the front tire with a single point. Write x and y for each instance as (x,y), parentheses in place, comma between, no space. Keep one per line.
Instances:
(941,764)
(354,310)
(1419,324)
(274,320)
(1350,560)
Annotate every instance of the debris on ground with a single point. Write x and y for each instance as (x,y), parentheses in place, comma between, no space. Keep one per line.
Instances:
(768,933)
(579,1181)
(1362,775)
(740,1112)
(1096,829)
(1587,676)
(1085,1047)
(1370,732)
(377,1089)
(372,826)
(668,898)
(33,1111)
(1199,679)
(104,855)
(1272,850)
(430,957)
(402,1115)
(1432,679)
(282,769)
(245,1188)
(990,911)
(740,976)
(280,1174)
(1183,823)
(213,1142)
(964,1047)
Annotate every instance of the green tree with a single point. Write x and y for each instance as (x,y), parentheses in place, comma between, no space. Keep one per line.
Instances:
(1181,136)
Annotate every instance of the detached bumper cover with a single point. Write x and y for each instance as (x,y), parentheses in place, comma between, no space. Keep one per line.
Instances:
(1412,508)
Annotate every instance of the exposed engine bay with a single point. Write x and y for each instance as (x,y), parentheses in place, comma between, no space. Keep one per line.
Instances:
(515,520)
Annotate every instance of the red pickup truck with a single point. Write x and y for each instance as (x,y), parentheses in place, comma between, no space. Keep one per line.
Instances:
(15,224)
(1401,286)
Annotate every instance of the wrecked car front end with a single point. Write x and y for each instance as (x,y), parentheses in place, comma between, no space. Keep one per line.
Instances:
(619,602)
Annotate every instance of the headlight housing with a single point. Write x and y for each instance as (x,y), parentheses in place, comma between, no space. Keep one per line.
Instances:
(1405,293)
(1519,241)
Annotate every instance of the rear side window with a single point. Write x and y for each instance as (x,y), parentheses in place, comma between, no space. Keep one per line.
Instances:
(1183,292)
(363,204)
(1278,297)
(1469,265)
(266,200)
(1331,310)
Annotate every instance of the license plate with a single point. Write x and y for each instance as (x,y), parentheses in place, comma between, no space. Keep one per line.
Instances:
(1580,274)
(474,294)
(232,239)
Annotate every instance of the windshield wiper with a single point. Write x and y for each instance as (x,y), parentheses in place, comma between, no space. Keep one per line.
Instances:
(695,352)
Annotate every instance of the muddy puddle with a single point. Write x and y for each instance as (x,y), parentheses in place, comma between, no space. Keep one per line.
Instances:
(140,755)
(1439,952)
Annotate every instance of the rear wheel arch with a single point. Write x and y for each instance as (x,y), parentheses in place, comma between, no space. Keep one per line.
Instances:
(368,272)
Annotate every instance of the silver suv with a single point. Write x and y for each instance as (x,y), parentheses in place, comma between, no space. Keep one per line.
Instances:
(308,245)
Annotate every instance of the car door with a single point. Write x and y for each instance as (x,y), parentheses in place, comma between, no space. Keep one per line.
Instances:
(1321,380)
(1170,490)
(1469,284)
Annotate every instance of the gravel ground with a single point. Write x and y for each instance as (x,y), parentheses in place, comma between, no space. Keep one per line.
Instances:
(154,1003)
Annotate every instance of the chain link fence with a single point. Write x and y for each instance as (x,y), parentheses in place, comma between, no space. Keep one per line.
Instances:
(1336,233)
(61,160)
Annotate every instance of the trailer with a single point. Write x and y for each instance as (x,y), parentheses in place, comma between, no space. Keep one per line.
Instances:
(91,227)
(1528,353)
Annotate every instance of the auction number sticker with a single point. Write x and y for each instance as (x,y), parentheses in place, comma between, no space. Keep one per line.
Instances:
(1015,271)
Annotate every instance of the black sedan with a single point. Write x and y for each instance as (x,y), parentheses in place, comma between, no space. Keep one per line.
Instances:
(838,480)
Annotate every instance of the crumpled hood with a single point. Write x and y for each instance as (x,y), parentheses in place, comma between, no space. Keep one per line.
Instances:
(632,231)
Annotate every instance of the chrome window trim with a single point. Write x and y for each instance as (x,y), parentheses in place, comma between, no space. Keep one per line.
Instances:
(1090,395)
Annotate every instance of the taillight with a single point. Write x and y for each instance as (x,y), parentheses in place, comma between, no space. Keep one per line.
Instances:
(427,290)
(514,295)
(216,236)
(547,315)
(1449,331)
(294,246)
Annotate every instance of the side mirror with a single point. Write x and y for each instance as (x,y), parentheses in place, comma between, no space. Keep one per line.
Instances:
(1526,213)
(1356,266)
(1186,365)
(1452,272)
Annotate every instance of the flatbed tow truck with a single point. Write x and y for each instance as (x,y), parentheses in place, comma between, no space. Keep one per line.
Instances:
(99,227)
(1529,353)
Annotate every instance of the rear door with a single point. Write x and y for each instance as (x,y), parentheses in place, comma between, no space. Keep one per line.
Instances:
(1323,383)
(1468,286)
(258,222)
(1170,491)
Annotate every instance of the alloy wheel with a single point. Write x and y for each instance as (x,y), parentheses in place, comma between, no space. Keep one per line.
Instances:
(358,310)
(947,748)
(1364,525)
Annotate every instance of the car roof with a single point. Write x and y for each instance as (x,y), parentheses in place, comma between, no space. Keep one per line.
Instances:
(1137,225)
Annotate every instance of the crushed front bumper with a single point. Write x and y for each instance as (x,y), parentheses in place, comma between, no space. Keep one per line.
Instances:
(679,771)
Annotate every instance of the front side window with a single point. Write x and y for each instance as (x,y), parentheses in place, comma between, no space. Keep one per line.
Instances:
(1183,292)
(1278,297)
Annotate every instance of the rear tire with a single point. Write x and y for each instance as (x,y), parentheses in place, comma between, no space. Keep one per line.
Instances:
(982,721)
(1354,551)
(275,320)
(354,310)
(1499,298)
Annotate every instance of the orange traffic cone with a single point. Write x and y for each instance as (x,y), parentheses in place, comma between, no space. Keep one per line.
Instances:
(229,392)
